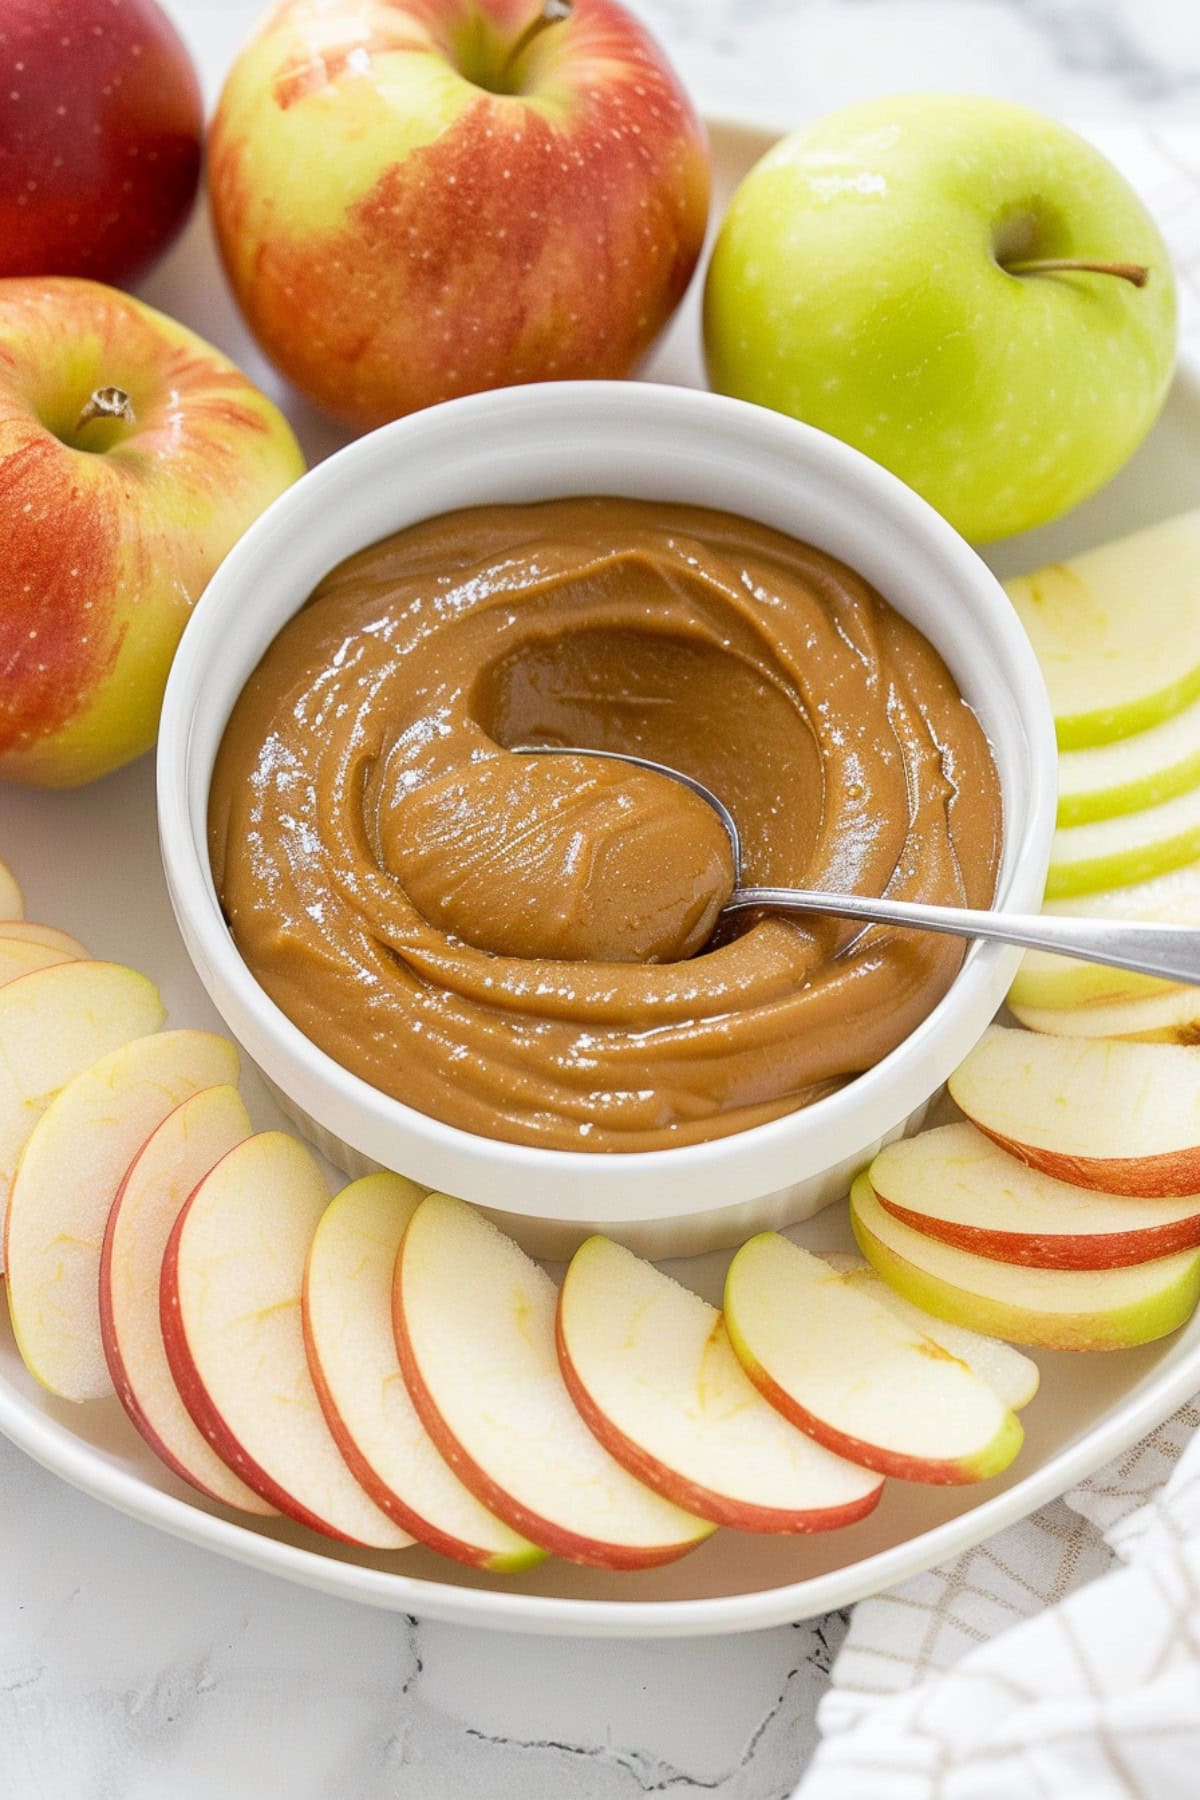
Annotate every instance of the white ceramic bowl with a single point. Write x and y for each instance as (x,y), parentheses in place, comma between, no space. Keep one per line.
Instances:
(640,441)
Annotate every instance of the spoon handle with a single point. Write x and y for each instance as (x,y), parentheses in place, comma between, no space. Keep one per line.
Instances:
(1172,951)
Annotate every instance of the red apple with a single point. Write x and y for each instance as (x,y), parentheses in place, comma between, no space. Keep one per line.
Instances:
(424,198)
(132,457)
(100,133)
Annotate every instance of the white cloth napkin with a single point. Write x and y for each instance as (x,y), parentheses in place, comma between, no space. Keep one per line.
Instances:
(1062,1658)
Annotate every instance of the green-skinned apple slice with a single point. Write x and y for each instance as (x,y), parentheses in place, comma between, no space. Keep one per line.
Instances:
(355,1367)
(1132,848)
(1120,1117)
(1132,773)
(28,931)
(650,1368)
(955,1184)
(1014,1375)
(53,1024)
(171,1163)
(12,901)
(1171,1016)
(1051,1309)
(65,1185)
(855,1376)
(21,957)
(1044,979)
(230,1306)
(1107,673)
(475,1327)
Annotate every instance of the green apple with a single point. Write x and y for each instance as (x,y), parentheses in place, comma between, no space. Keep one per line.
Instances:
(1134,772)
(885,274)
(1109,672)
(1132,847)
(1169,1017)
(1046,980)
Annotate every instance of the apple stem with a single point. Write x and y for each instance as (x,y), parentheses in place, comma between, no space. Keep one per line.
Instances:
(553,12)
(1137,273)
(107,403)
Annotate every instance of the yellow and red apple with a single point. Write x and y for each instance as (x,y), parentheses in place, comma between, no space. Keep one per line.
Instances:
(431,197)
(132,458)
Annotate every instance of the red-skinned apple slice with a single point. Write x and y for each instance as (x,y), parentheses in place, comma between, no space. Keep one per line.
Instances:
(1120,1117)
(171,1163)
(28,931)
(649,1366)
(957,1185)
(1014,1375)
(1054,1309)
(19,958)
(352,1356)
(855,1376)
(54,1023)
(230,1306)
(12,901)
(66,1182)
(474,1321)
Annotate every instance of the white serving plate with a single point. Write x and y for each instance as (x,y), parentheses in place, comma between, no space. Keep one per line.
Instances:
(88,862)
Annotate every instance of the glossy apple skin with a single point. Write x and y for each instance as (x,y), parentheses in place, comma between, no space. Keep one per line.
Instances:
(396,234)
(855,285)
(114,530)
(100,137)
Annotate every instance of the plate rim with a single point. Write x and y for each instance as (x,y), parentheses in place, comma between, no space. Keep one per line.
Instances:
(51,1443)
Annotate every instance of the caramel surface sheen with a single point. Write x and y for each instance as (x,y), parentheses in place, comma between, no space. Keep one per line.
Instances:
(522,946)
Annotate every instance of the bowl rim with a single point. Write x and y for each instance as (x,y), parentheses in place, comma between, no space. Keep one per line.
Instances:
(269,1035)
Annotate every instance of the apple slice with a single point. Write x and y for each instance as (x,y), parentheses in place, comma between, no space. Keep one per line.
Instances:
(64,1187)
(27,931)
(650,1368)
(172,1161)
(12,902)
(1114,852)
(1171,1016)
(1014,1375)
(1054,1309)
(1132,773)
(1108,676)
(957,1185)
(352,1355)
(1120,1117)
(53,1024)
(230,1299)
(1048,980)
(855,1376)
(20,957)
(474,1321)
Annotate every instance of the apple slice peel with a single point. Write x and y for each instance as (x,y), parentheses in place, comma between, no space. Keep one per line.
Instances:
(651,1371)
(1051,1309)
(166,1170)
(356,1370)
(855,1376)
(230,1308)
(1119,1116)
(63,1191)
(956,1185)
(475,1330)
(12,901)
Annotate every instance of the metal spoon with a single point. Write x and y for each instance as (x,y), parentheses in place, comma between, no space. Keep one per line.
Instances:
(1171,951)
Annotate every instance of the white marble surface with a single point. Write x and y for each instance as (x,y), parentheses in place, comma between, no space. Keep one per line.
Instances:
(135,1668)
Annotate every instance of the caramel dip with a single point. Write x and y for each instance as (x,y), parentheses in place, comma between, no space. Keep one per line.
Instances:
(524,946)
